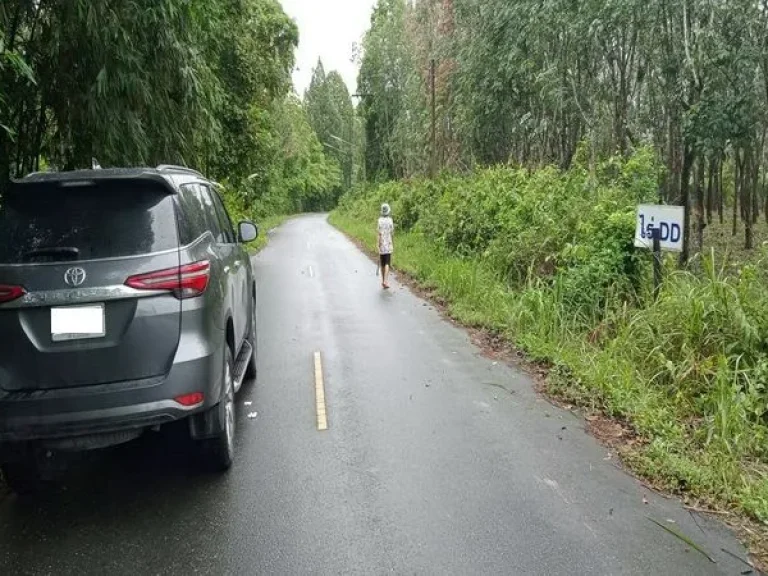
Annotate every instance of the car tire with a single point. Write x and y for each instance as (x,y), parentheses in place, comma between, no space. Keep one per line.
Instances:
(218,452)
(23,476)
(251,370)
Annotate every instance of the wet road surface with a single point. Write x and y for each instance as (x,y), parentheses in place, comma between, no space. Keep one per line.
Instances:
(436,460)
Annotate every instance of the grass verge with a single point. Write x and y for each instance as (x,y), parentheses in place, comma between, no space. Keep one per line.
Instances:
(713,462)
(265,226)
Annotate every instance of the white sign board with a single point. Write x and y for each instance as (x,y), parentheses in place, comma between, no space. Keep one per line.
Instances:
(670,220)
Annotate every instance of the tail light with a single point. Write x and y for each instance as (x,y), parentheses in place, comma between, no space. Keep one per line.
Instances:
(187,281)
(10,293)
(191,400)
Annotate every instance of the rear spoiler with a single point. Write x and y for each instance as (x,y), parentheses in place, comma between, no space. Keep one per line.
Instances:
(84,178)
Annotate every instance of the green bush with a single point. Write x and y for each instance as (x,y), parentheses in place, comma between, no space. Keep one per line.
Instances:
(576,225)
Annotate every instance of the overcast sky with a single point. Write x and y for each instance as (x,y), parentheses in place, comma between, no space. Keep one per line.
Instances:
(327,30)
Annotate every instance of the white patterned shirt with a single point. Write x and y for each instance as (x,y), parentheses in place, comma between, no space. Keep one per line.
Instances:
(386,231)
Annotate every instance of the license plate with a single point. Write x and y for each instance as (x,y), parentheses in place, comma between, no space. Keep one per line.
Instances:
(77,322)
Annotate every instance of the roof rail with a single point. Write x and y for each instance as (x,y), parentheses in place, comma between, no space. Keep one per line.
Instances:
(173,168)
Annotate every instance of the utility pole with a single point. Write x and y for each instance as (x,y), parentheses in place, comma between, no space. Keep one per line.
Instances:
(433,160)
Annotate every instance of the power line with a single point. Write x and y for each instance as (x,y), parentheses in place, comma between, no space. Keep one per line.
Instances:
(334,148)
(341,140)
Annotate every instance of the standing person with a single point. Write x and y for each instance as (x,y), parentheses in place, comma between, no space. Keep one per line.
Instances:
(386,243)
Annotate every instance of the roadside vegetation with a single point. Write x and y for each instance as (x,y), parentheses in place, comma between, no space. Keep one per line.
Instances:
(545,259)
(515,140)
(205,84)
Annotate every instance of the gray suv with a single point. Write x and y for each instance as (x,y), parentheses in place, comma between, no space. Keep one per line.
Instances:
(127,301)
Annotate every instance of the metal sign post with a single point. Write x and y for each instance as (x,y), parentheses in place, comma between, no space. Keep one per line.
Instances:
(659,228)
(656,235)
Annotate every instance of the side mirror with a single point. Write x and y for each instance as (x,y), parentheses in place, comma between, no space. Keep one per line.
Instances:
(247,232)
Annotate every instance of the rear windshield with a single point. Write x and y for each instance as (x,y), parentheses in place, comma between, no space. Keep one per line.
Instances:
(51,224)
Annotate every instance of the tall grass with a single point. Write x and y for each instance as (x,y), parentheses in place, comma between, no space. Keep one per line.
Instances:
(546,259)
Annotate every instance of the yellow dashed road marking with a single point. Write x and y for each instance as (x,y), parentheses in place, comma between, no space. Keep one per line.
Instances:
(322,415)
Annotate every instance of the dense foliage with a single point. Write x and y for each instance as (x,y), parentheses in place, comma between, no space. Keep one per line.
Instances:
(143,82)
(332,116)
(457,83)
(545,258)
(573,228)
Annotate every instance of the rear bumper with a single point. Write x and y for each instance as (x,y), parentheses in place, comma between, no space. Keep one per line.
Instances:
(110,408)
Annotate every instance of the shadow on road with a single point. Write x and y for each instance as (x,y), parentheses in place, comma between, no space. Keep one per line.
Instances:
(138,494)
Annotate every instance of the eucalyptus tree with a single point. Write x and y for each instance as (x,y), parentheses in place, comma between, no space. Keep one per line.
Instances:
(332,116)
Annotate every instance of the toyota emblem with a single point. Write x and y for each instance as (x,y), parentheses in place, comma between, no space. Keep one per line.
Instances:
(74,277)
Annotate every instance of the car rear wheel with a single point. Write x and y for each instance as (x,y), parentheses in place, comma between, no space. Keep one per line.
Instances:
(219,452)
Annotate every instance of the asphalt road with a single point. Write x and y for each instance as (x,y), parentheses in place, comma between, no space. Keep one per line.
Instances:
(436,460)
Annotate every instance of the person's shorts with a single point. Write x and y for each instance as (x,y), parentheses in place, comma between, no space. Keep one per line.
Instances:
(385,259)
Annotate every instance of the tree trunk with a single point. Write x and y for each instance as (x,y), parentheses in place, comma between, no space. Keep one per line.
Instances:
(669,179)
(744,196)
(5,167)
(748,187)
(685,196)
(755,195)
(40,134)
(674,168)
(14,28)
(720,200)
(677,168)
(18,165)
(764,193)
(757,187)
(736,175)
(710,191)
(699,188)
(765,203)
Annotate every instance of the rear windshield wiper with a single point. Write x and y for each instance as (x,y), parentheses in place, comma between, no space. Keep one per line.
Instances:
(53,254)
